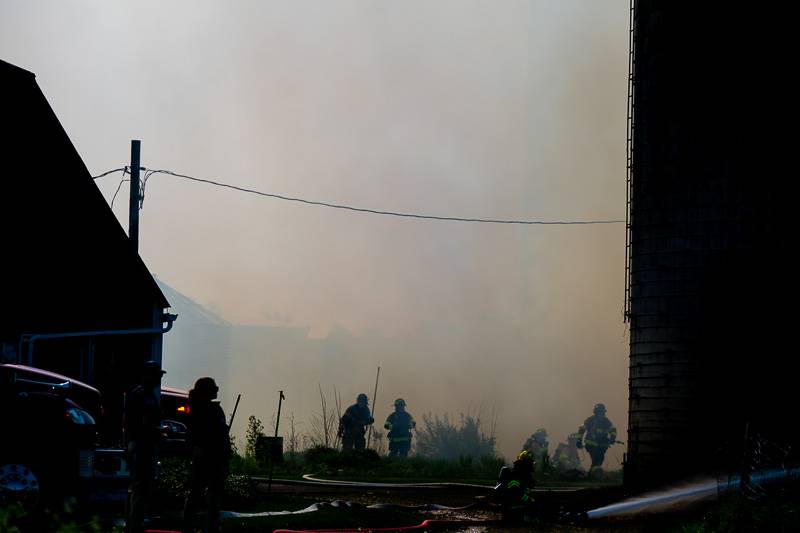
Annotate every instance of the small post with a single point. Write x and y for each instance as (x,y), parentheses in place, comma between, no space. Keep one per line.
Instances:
(281,397)
(133,206)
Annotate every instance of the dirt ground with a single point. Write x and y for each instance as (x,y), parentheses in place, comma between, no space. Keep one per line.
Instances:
(556,510)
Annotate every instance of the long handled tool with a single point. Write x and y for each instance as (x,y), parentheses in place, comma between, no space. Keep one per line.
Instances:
(278,419)
(281,397)
(374,403)
(233,414)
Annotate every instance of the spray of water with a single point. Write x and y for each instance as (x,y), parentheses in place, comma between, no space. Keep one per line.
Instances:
(686,494)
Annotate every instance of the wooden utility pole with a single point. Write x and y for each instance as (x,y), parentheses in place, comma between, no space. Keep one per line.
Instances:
(133,209)
(281,397)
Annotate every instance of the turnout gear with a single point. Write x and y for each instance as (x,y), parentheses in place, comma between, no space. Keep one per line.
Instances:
(537,444)
(209,443)
(597,433)
(514,489)
(353,424)
(142,423)
(399,424)
(566,458)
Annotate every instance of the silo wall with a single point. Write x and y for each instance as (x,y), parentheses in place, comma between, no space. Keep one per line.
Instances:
(708,256)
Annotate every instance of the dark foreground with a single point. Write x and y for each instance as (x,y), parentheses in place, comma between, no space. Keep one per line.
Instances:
(555,511)
(469,509)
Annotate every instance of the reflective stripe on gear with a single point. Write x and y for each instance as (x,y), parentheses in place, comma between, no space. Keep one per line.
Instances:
(399,439)
(513,484)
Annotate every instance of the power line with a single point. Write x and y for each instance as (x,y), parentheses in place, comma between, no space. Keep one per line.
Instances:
(123,180)
(150,173)
(122,169)
(143,185)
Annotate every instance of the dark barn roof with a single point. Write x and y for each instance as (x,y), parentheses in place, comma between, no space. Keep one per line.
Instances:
(67,264)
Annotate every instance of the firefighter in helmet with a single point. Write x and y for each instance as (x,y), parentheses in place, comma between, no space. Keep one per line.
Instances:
(142,427)
(210,445)
(514,490)
(399,424)
(566,458)
(353,424)
(597,433)
(537,444)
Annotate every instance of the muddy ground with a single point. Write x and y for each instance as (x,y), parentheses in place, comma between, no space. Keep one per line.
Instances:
(556,510)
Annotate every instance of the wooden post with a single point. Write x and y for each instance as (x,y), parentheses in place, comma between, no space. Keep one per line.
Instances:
(133,206)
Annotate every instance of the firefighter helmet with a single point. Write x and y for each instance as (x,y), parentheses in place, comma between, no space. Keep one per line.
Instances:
(399,402)
(204,388)
(599,409)
(362,398)
(526,456)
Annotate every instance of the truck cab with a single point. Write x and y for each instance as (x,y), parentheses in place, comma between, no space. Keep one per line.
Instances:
(174,417)
(50,434)
(56,442)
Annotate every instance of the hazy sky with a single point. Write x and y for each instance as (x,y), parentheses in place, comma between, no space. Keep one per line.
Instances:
(499,109)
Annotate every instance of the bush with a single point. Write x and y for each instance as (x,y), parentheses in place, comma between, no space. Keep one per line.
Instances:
(442,439)
(255,429)
(322,459)
(319,455)
(463,468)
(172,485)
(13,519)
(368,465)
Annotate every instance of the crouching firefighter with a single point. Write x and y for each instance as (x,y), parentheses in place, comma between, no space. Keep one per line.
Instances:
(514,490)
(399,424)
(566,458)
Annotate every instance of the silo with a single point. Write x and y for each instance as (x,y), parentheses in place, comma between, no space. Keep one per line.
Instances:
(706,271)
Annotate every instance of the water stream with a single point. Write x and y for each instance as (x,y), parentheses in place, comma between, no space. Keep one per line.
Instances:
(687,493)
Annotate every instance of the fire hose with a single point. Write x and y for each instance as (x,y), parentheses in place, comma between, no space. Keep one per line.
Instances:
(425,525)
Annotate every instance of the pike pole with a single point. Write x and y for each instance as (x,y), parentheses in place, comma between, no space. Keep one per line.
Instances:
(233,414)
(374,400)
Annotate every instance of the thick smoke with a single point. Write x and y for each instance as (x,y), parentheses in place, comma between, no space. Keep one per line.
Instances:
(486,109)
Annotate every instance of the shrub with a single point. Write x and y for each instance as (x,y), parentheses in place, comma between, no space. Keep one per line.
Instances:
(172,485)
(442,439)
(255,429)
